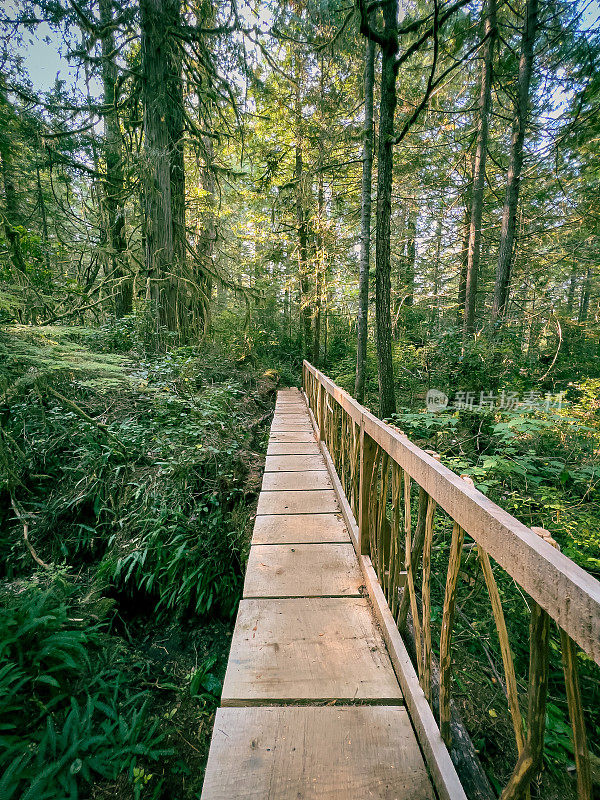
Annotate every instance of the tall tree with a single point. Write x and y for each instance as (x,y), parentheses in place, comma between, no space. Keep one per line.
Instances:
(163,138)
(113,199)
(411,255)
(474,243)
(388,41)
(365,223)
(12,207)
(300,180)
(515,163)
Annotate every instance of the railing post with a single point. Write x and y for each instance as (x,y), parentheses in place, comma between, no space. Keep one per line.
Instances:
(367,459)
(321,402)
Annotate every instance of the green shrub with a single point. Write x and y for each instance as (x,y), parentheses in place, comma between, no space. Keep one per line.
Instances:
(65,718)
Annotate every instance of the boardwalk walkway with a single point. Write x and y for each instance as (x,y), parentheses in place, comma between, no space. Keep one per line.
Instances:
(311,707)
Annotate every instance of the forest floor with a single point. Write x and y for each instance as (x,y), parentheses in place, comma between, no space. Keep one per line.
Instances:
(135,481)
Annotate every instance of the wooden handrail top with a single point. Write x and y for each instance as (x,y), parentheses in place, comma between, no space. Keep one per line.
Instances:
(569,594)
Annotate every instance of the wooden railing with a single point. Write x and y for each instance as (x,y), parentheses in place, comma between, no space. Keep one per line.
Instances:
(386,479)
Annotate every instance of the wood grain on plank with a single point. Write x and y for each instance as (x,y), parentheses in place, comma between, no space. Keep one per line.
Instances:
(293,449)
(299,529)
(299,481)
(311,648)
(302,570)
(294,463)
(315,753)
(298,502)
(292,436)
(281,424)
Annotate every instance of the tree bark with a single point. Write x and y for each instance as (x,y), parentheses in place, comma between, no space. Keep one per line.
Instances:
(44,219)
(12,210)
(365,225)
(207,236)
(435,308)
(385,175)
(163,115)
(113,200)
(509,214)
(584,302)
(319,273)
(571,294)
(474,246)
(301,217)
(411,255)
(320,240)
(462,277)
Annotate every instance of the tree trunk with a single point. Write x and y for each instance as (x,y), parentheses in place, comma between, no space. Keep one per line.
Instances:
(44,219)
(319,273)
(584,303)
(509,215)
(411,255)
(435,309)
(301,218)
(385,175)
(474,246)
(207,236)
(175,127)
(365,225)
(320,232)
(162,91)
(12,211)
(113,200)
(462,277)
(571,294)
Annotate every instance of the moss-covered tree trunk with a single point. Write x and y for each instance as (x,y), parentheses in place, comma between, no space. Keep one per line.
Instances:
(385,174)
(164,197)
(365,224)
(113,195)
(515,164)
(474,244)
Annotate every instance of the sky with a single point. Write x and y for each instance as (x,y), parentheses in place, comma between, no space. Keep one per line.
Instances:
(44,59)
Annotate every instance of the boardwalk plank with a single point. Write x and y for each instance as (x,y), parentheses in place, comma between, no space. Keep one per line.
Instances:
(298,481)
(315,753)
(306,635)
(299,529)
(302,502)
(302,570)
(295,463)
(293,436)
(293,448)
(298,649)
(281,424)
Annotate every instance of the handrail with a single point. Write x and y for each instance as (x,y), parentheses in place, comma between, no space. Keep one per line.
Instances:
(569,594)
(375,461)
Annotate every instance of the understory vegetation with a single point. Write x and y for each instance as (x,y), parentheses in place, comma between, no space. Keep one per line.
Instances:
(128,483)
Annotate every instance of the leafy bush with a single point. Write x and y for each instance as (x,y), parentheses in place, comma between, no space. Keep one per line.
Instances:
(155,494)
(138,476)
(65,718)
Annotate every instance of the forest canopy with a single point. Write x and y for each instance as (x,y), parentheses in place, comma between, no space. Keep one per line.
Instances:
(189,158)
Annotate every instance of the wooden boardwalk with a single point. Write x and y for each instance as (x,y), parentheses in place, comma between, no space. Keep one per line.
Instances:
(311,706)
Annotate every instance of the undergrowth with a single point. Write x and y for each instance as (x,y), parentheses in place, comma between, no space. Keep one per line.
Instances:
(127,483)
